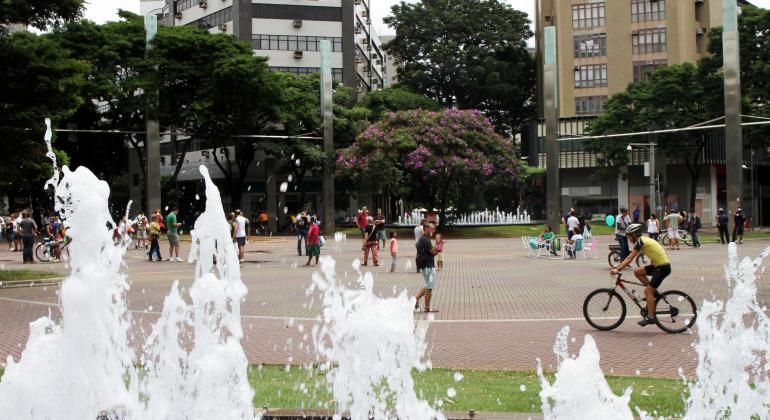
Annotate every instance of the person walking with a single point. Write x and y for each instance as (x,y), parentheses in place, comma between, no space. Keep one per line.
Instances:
(637,214)
(154,241)
(673,220)
(371,242)
(379,227)
(418,233)
(653,227)
(426,265)
(621,224)
(10,233)
(302,229)
(241,233)
(739,218)
(694,227)
(172,234)
(28,229)
(393,250)
(724,237)
(313,247)
(572,223)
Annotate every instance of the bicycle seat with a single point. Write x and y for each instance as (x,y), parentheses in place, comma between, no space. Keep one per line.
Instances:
(614,247)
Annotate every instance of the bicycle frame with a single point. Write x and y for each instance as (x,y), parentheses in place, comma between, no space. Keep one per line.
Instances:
(620,283)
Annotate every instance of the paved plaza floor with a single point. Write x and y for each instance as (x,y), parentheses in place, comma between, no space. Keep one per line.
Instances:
(498,309)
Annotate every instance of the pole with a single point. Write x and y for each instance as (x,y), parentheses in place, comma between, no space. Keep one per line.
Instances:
(152,126)
(733,134)
(550,111)
(653,181)
(327,112)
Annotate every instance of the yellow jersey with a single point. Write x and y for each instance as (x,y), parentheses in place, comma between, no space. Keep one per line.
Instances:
(653,250)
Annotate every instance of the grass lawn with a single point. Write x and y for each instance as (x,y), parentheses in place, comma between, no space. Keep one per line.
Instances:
(485,231)
(25,275)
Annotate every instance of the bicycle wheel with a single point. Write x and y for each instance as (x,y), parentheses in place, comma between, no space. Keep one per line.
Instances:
(685,238)
(664,239)
(642,260)
(613,258)
(675,311)
(43,252)
(604,309)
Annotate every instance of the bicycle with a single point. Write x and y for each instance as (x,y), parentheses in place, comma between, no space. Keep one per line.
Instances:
(614,260)
(45,251)
(605,309)
(684,237)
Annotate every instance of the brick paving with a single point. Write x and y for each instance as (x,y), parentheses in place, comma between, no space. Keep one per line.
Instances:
(498,309)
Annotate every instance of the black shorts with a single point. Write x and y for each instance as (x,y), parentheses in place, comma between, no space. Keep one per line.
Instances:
(241,241)
(658,273)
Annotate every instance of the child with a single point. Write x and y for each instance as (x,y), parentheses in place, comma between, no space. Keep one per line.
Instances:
(393,250)
(440,255)
(154,240)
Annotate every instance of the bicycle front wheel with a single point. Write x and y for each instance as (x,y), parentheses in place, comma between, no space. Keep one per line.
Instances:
(642,260)
(43,252)
(686,239)
(675,311)
(604,309)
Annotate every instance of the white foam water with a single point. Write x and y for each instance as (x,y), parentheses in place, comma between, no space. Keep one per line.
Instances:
(192,365)
(369,345)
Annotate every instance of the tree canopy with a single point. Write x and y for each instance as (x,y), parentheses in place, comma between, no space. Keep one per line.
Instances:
(467,54)
(39,14)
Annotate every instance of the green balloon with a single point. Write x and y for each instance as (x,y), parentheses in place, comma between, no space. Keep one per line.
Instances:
(610,220)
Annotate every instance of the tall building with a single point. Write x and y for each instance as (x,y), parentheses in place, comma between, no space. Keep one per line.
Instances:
(288,33)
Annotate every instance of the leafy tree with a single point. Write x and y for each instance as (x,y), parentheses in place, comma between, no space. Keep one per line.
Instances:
(674,97)
(394,99)
(467,54)
(435,159)
(38,79)
(38,13)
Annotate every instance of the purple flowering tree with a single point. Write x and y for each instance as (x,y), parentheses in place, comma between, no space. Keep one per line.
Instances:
(433,159)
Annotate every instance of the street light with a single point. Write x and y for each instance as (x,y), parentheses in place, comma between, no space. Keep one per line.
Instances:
(653,175)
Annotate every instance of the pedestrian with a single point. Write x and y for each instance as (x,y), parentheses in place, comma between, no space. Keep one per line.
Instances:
(313,247)
(362,220)
(379,227)
(439,246)
(154,240)
(28,229)
(673,220)
(572,223)
(371,243)
(2,228)
(637,214)
(55,232)
(739,218)
(10,233)
(141,230)
(241,233)
(694,225)
(426,265)
(621,223)
(724,237)
(653,227)
(418,233)
(302,229)
(393,250)
(172,234)
(18,245)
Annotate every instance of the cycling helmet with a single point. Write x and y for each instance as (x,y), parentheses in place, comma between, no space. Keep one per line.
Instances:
(634,228)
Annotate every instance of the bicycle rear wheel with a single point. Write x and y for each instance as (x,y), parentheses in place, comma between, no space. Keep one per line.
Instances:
(642,260)
(675,311)
(686,238)
(664,239)
(604,309)
(613,258)
(43,252)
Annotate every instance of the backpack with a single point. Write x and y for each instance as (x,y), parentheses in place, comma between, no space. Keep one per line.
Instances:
(697,222)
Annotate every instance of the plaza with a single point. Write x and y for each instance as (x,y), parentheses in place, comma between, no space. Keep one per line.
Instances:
(498,309)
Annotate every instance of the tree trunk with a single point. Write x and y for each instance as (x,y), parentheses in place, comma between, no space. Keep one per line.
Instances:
(185,146)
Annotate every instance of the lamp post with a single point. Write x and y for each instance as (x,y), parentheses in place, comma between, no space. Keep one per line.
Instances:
(753,197)
(653,175)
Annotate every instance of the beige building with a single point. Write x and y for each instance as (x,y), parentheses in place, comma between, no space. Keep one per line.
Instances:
(605,45)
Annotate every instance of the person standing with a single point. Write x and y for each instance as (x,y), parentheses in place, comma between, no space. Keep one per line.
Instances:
(637,214)
(653,227)
(154,240)
(572,223)
(738,220)
(426,265)
(673,220)
(28,229)
(621,224)
(141,231)
(418,233)
(694,226)
(724,237)
(313,247)
(393,251)
(439,247)
(10,233)
(379,227)
(302,229)
(362,220)
(241,233)
(172,234)
(371,242)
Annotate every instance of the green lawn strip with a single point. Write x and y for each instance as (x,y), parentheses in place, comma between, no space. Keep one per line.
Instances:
(9,276)
(494,391)
(509,231)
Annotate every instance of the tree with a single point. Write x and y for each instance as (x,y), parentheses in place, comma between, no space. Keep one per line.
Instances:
(467,54)
(394,99)
(674,97)
(39,14)
(38,79)
(434,159)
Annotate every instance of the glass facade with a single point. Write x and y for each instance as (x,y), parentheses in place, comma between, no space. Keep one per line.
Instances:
(590,45)
(589,105)
(641,68)
(588,15)
(336,72)
(648,10)
(646,41)
(293,42)
(592,75)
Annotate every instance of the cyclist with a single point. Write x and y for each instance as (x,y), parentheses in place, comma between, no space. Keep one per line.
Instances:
(659,268)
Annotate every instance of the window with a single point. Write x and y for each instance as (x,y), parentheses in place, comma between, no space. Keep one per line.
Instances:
(641,68)
(214,19)
(647,10)
(293,42)
(589,105)
(185,4)
(591,45)
(592,75)
(589,15)
(336,72)
(648,41)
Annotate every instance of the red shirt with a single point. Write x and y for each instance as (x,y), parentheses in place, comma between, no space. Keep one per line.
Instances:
(313,235)
(363,222)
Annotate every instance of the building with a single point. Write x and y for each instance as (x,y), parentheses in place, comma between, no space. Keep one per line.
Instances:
(602,47)
(390,68)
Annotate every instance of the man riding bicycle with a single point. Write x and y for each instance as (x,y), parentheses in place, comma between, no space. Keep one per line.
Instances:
(659,268)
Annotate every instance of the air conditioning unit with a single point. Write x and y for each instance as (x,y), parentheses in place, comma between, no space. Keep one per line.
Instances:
(700,31)
(297,23)
(576,68)
(649,62)
(548,18)
(359,89)
(365,14)
(203,4)
(205,153)
(357,30)
(356,1)
(634,32)
(297,54)
(222,27)
(698,1)
(359,60)
(365,41)
(178,15)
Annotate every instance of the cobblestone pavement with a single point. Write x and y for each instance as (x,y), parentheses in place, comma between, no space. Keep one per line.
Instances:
(498,309)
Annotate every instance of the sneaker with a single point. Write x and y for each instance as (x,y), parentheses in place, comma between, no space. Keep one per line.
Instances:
(241,261)
(646,321)
(179,259)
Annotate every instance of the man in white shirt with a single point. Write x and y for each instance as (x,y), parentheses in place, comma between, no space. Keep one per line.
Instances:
(572,223)
(241,233)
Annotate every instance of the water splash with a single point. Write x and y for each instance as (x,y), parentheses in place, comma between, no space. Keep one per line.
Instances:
(370,368)
(54,180)
(284,186)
